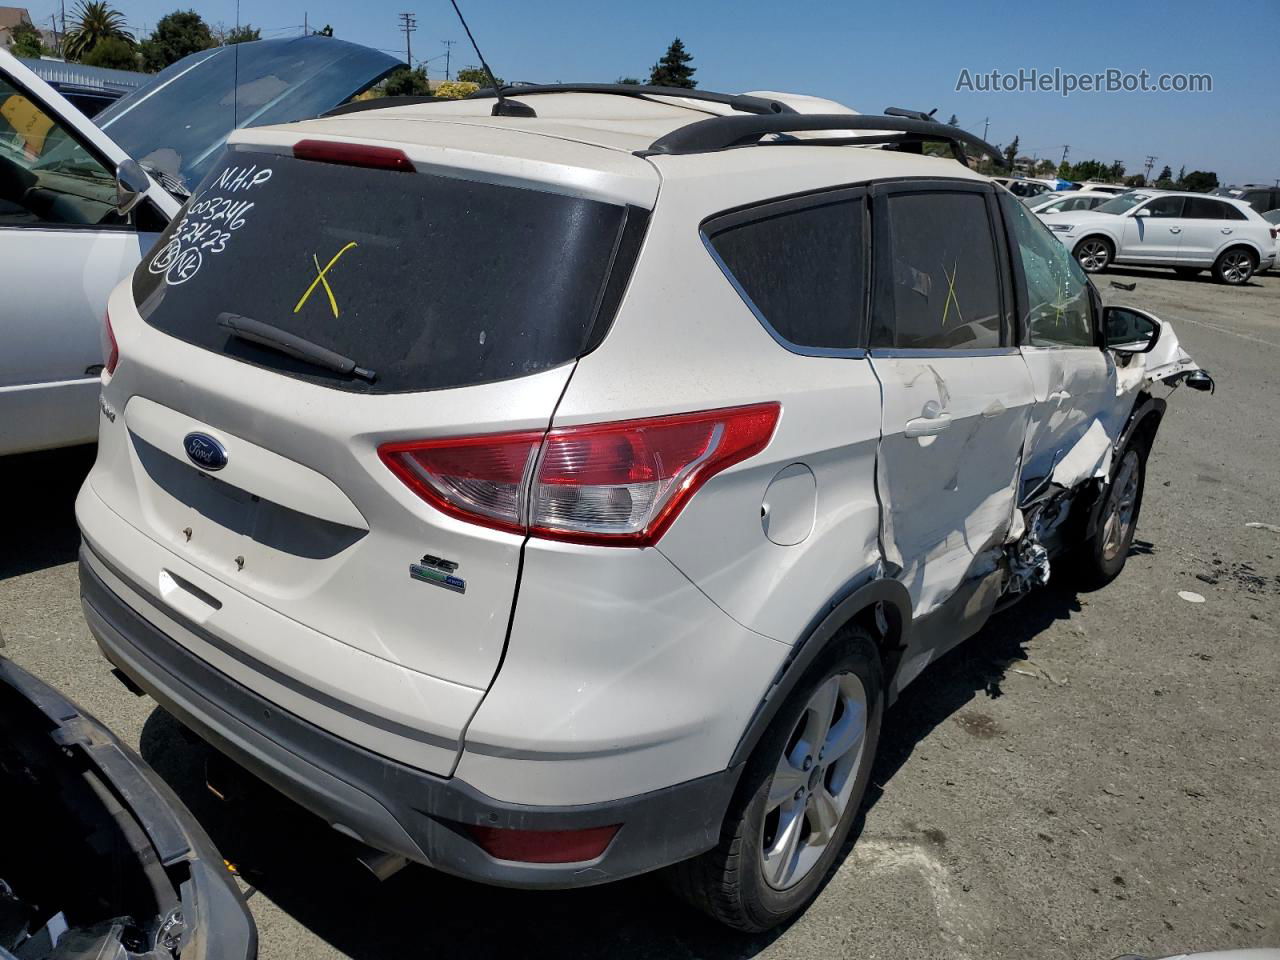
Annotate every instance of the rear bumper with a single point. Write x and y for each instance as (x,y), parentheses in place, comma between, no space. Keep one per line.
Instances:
(386,804)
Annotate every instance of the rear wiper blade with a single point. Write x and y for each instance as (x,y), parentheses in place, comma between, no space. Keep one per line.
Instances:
(290,344)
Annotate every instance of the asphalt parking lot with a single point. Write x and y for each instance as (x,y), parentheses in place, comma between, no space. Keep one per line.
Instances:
(1094,774)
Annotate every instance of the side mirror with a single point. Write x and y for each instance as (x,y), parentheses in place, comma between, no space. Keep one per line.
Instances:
(132,184)
(1144,212)
(1129,331)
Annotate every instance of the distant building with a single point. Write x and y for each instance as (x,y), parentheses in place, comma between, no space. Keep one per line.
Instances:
(10,17)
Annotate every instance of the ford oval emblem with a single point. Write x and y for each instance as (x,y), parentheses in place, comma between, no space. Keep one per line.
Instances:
(204,451)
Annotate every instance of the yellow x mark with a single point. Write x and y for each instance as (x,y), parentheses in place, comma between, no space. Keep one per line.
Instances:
(320,279)
(951,293)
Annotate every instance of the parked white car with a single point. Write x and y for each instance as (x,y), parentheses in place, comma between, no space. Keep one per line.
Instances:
(1189,232)
(77,212)
(1111,188)
(1065,201)
(550,565)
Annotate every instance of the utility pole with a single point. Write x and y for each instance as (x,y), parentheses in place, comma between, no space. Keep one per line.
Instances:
(408,23)
(1151,162)
(64,27)
(306,25)
(1066,148)
(448,49)
(985,124)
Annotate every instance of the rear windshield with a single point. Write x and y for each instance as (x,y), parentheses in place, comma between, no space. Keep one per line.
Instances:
(427,281)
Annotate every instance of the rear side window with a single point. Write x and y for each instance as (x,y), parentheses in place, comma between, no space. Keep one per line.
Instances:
(943,283)
(1203,208)
(800,265)
(428,281)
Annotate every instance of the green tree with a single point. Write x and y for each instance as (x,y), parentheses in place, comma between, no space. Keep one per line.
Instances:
(176,35)
(1011,152)
(243,34)
(1045,168)
(1137,180)
(407,83)
(1165,174)
(1182,177)
(325,31)
(673,69)
(629,81)
(1200,181)
(92,22)
(112,52)
(27,41)
(478,76)
(1117,171)
(1064,171)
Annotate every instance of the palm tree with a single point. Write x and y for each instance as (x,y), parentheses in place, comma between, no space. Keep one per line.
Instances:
(94,21)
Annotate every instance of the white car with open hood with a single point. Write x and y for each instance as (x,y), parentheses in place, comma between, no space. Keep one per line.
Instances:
(82,200)
(603,548)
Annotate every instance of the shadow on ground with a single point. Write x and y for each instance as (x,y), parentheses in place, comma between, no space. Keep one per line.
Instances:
(39,493)
(310,871)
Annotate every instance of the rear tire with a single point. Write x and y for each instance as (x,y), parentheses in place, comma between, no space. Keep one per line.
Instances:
(1094,254)
(799,794)
(1235,266)
(1106,546)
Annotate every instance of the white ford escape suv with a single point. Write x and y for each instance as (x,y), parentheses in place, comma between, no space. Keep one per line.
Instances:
(558,488)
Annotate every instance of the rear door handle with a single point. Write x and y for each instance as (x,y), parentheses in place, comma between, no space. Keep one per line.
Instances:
(1226,229)
(927,426)
(1175,229)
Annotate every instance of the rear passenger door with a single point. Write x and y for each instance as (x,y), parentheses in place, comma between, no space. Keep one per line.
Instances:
(1210,225)
(956,393)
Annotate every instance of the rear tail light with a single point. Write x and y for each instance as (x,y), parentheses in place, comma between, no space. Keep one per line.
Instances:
(110,350)
(1274,233)
(544,846)
(618,483)
(353,155)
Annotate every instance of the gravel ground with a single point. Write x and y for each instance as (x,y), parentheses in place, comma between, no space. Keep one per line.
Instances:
(1093,774)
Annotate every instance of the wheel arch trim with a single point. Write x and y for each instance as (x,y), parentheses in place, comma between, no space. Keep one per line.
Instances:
(854,600)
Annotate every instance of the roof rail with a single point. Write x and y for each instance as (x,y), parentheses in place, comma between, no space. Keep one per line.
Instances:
(721,133)
(737,101)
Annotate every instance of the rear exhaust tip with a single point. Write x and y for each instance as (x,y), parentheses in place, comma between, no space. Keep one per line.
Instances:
(383,866)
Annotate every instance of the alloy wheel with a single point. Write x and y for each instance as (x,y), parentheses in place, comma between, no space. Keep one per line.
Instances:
(814,781)
(1093,255)
(1121,506)
(1237,266)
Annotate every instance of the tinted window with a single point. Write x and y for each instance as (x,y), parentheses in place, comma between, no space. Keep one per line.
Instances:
(802,269)
(1164,207)
(1204,208)
(46,176)
(1257,199)
(1057,293)
(431,282)
(944,279)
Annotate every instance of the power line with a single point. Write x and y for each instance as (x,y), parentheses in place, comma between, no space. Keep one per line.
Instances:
(408,23)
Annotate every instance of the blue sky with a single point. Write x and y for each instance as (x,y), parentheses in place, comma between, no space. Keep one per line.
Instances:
(873,55)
